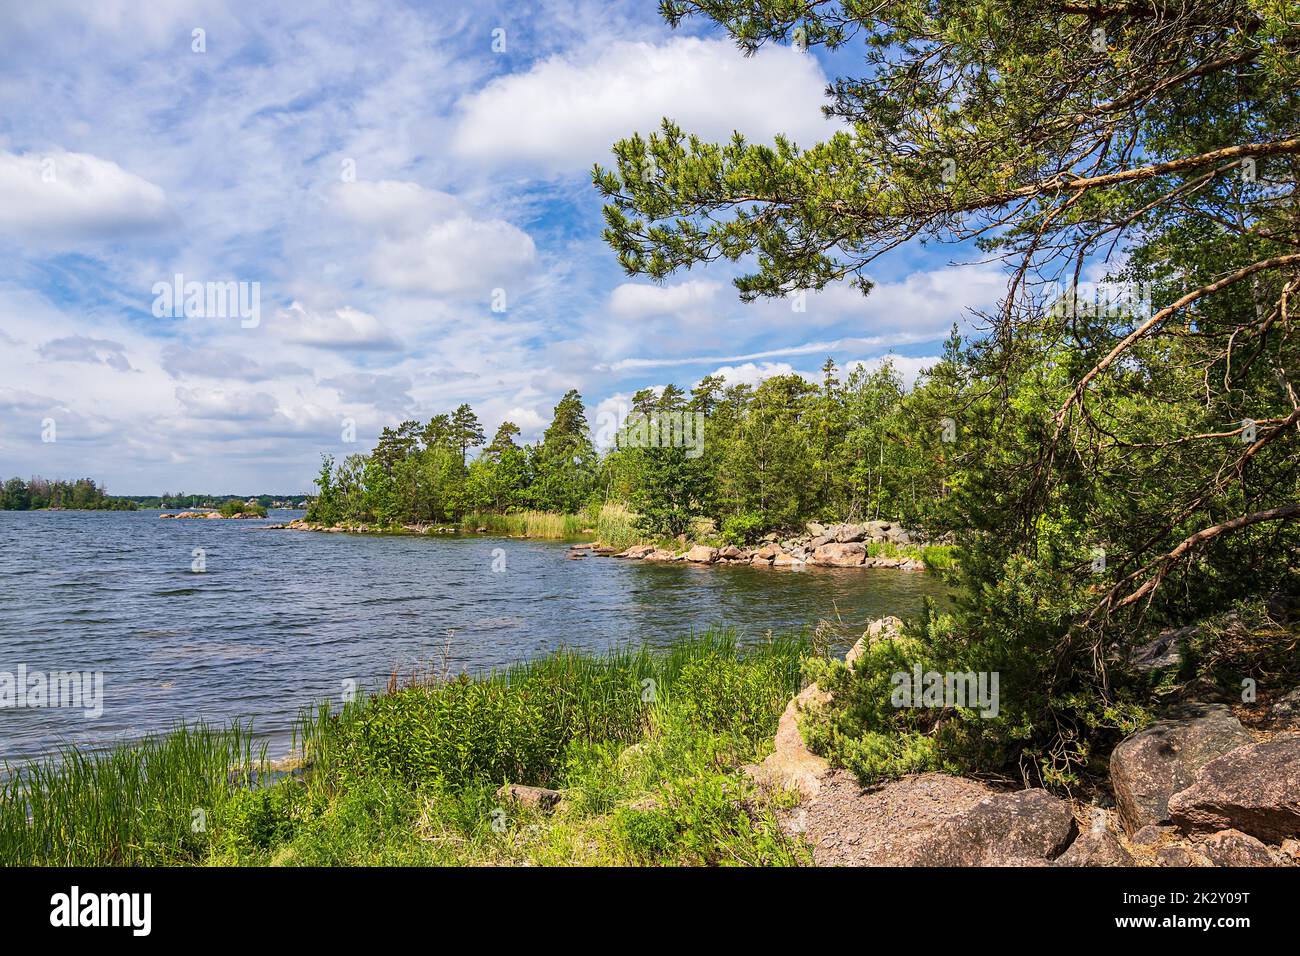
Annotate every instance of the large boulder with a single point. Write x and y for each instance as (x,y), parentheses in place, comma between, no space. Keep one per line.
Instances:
(846,533)
(1152,765)
(702,554)
(878,530)
(1233,848)
(1254,788)
(898,535)
(1027,827)
(1163,650)
(1096,847)
(884,628)
(791,765)
(847,555)
(637,551)
(659,554)
(783,560)
(768,551)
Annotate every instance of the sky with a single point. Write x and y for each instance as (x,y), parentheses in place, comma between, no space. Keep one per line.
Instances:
(403,190)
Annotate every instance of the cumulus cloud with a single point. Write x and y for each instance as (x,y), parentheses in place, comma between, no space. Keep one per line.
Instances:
(752,373)
(566,112)
(65,196)
(908,367)
(79,348)
(639,300)
(345,328)
(431,242)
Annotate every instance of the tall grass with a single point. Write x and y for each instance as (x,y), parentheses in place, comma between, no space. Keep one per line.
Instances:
(612,524)
(518,724)
(199,795)
(138,804)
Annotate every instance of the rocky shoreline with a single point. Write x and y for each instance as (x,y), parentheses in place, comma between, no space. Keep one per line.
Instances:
(835,546)
(210,515)
(1196,788)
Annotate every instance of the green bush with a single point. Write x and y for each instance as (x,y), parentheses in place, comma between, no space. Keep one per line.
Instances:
(744,528)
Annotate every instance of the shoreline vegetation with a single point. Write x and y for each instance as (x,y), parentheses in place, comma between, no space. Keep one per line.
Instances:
(630,757)
(880,544)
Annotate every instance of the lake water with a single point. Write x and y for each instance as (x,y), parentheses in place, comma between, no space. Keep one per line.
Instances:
(281,619)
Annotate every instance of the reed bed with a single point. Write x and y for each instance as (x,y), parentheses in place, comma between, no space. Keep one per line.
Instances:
(147,802)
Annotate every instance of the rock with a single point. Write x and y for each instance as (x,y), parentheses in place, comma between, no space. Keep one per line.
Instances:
(1026,827)
(898,535)
(481,530)
(791,765)
(659,554)
(784,560)
(539,798)
(759,558)
(771,536)
(1179,854)
(1287,708)
(1096,847)
(1233,848)
(1291,848)
(850,532)
(767,551)
(849,826)
(815,529)
(1153,764)
(844,555)
(730,552)
(1254,789)
(1151,834)
(1163,650)
(876,530)
(885,628)
(637,551)
(702,554)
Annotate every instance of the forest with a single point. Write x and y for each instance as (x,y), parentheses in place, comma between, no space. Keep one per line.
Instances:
(83,494)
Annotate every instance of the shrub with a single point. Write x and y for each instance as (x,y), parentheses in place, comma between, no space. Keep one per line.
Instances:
(743,528)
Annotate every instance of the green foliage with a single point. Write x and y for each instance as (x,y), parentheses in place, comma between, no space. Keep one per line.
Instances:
(742,528)
(147,803)
(80,495)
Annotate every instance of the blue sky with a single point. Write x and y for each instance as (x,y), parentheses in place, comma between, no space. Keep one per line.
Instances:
(384,175)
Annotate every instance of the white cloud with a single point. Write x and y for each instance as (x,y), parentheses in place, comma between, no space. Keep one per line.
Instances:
(393,207)
(908,367)
(459,255)
(217,403)
(639,300)
(431,242)
(752,373)
(345,328)
(566,112)
(64,196)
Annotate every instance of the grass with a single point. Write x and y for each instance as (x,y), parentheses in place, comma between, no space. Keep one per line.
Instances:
(646,746)
(612,524)
(146,803)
